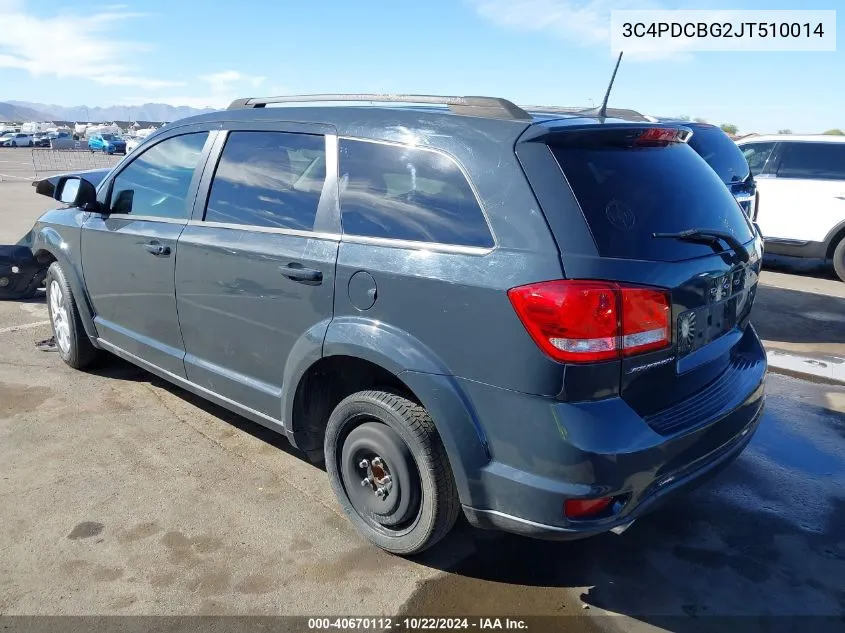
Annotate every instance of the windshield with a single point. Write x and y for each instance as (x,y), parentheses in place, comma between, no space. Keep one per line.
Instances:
(108,137)
(720,152)
(629,194)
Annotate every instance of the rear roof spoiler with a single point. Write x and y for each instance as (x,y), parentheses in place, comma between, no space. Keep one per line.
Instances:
(487,107)
(612,113)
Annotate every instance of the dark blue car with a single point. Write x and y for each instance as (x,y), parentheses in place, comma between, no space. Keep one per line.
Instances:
(539,320)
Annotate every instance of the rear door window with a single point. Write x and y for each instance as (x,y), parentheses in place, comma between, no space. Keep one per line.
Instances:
(757,155)
(407,193)
(268,179)
(628,194)
(813,161)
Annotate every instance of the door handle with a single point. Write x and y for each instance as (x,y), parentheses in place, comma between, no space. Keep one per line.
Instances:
(297,272)
(157,249)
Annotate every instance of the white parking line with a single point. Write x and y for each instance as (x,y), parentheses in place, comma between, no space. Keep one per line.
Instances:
(831,368)
(20,177)
(16,162)
(25,326)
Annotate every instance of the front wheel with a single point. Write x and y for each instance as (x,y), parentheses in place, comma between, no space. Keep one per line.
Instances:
(839,259)
(390,472)
(73,343)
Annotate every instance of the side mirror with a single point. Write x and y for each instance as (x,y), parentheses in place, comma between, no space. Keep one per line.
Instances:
(76,192)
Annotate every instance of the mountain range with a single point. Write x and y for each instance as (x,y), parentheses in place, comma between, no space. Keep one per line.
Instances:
(28,111)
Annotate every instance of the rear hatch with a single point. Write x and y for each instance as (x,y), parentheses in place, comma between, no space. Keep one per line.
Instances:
(630,184)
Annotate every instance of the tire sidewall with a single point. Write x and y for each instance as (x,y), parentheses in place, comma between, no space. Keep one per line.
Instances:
(839,260)
(346,416)
(55,275)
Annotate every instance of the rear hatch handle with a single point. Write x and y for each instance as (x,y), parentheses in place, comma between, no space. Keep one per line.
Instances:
(709,236)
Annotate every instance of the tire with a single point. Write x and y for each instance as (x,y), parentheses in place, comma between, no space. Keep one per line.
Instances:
(31,144)
(839,259)
(73,343)
(422,504)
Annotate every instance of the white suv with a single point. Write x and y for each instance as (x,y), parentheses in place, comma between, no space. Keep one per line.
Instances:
(801,189)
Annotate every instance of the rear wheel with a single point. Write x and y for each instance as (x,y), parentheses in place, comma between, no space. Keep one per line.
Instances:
(839,259)
(73,343)
(390,472)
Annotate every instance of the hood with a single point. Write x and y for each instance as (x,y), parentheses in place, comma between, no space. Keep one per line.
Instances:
(47,186)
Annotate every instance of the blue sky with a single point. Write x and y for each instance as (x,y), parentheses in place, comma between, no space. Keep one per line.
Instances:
(530,51)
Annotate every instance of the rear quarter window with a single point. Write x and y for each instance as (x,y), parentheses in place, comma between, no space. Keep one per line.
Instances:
(813,161)
(407,193)
(628,194)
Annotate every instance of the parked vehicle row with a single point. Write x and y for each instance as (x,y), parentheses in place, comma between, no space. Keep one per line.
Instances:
(537,319)
(54,140)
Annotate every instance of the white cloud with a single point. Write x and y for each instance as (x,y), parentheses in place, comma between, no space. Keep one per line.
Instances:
(222,88)
(582,22)
(226,80)
(73,46)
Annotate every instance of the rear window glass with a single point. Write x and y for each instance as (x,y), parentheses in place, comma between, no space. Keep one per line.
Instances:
(822,161)
(629,194)
(406,193)
(720,152)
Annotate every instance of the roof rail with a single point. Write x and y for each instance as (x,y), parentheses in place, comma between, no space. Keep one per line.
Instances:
(487,107)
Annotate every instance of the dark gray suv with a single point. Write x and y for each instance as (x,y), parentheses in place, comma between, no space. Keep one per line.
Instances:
(539,320)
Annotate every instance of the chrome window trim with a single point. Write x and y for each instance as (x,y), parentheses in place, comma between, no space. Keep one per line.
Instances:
(419,246)
(265,229)
(143,218)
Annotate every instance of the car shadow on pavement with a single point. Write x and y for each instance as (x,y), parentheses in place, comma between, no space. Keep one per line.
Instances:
(116,368)
(703,564)
(813,270)
(791,316)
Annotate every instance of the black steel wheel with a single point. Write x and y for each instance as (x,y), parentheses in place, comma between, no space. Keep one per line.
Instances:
(390,472)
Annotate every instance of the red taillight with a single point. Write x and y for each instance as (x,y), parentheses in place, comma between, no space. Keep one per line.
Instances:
(575,321)
(661,135)
(581,508)
(645,320)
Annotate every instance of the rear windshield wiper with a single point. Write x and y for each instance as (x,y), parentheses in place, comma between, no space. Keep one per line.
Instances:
(709,236)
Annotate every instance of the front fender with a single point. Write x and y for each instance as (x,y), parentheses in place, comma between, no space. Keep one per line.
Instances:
(48,239)
(829,240)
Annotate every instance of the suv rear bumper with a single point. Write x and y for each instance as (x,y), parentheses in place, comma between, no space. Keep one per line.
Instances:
(602,449)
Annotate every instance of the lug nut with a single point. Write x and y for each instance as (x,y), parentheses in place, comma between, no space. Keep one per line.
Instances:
(386,480)
(366,481)
(380,493)
(377,462)
(364,463)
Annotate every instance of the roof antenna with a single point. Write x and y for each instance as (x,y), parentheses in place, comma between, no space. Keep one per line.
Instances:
(601,111)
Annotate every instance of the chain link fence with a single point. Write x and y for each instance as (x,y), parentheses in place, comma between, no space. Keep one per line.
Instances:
(49,162)
(34,164)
